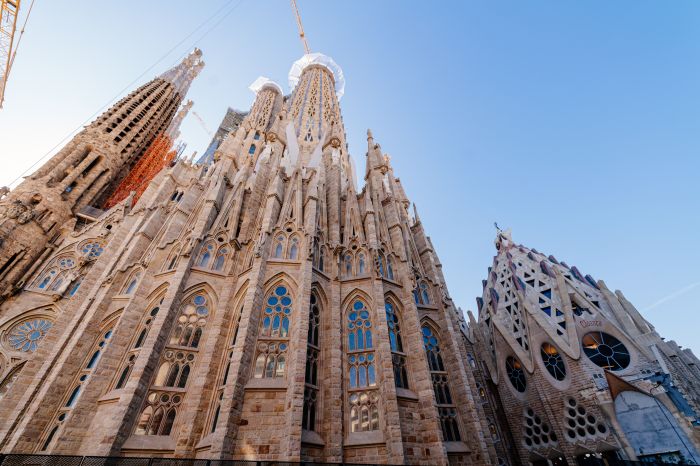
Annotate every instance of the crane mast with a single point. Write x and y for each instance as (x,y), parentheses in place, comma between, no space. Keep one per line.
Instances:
(302,36)
(8,26)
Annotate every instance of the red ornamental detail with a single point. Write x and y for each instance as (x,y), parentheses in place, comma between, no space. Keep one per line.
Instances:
(159,155)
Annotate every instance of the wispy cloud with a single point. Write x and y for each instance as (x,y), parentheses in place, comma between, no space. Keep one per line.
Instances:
(673,295)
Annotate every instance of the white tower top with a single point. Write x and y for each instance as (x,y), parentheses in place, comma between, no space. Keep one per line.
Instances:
(318,59)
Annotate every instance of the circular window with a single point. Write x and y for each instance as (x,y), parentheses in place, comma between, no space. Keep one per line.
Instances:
(605,351)
(27,335)
(516,374)
(553,361)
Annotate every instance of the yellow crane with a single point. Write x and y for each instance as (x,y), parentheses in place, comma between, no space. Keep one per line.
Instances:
(9,10)
(302,36)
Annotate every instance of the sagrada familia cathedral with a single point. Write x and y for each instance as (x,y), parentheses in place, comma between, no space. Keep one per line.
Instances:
(263,304)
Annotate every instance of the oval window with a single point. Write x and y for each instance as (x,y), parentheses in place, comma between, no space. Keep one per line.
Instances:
(516,374)
(553,361)
(605,351)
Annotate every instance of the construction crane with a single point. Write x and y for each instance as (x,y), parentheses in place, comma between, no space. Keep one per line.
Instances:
(302,36)
(9,10)
(8,26)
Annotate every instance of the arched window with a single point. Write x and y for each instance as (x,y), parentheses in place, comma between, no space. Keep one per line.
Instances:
(131,286)
(191,322)
(173,258)
(389,268)
(256,136)
(76,386)
(294,248)
(447,409)
(141,334)
(553,361)
(422,294)
(360,264)
(273,338)
(251,150)
(322,259)
(220,258)
(516,373)
(361,369)
(46,279)
(76,286)
(206,254)
(398,357)
(348,265)
(176,364)
(311,388)
(380,264)
(278,247)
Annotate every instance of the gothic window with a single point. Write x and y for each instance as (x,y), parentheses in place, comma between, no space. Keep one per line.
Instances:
(131,286)
(421,293)
(191,322)
(175,369)
(220,258)
(171,263)
(10,379)
(447,409)
(141,334)
(361,370)
(348,265)
(274,334)
(160,410)
(279,247)
(27,335)
(389,268)
(76,286)
(257,135)
(380,264)
(158,416)
(76,387)
(223,379)
(398,357)
(251,151)
(312,362)
(516,373)
(46,279)
(360,264)
(553,361)
(92,250)
(294,248)
(605,351)
(206,254)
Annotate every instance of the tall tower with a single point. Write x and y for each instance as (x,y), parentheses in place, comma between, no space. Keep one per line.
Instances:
(262,307)
(581,374)
(232,120)
(158,155)
(83,174)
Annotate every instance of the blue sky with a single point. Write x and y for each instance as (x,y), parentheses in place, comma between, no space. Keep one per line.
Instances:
(574,123)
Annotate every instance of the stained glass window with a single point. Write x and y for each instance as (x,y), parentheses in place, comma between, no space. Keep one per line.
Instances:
(606,351)
(27,335)
(516,373)
(553,361)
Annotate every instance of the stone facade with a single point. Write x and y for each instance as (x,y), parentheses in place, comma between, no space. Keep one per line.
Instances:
(262,306)
(579,371)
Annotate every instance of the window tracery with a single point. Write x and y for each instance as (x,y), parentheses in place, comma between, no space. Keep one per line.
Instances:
(398,356)
(361,369)
(421,294)
(516,373)
(221,256)
(132,282)
(76,386)
(273,338)
(553,361)
(206,254)
(447,410)
(141,332)
(605,351)
(27,335)
(92,249)
(177,363)
(311,388)
(55,273)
